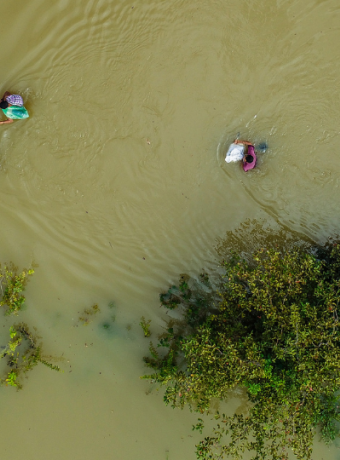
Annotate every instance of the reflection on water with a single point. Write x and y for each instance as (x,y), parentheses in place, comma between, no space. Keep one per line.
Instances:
(115,184)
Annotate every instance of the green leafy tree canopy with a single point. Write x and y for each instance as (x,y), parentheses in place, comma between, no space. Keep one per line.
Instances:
(274,332)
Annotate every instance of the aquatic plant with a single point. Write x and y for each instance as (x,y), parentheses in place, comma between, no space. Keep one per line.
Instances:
(270,328)
(145,325)
(87,316)
(87,313)
(12,284)
(21,362)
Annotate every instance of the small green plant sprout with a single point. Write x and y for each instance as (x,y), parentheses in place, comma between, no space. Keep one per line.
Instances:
(87,313)
(199,426)
(12,284)
(25,360)
(145,325)
(11,379)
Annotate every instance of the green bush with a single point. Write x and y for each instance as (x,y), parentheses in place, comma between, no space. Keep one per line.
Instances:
(271,328)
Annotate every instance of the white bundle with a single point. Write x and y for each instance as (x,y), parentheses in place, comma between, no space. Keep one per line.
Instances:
(235,153)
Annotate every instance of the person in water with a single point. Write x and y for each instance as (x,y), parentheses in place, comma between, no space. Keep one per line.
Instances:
(249,156)
(13,107)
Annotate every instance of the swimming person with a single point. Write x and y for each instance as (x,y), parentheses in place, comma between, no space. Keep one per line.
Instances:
(13,107)
(249,160)
(242,150)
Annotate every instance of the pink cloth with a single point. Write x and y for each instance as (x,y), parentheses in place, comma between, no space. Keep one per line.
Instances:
(247,166)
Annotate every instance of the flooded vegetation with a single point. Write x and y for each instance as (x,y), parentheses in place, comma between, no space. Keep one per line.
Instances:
(116,184)
(270,331)
(22,351)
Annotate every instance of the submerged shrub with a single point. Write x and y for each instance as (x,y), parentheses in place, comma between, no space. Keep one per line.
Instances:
(22,352)
(271,328)
(20,362)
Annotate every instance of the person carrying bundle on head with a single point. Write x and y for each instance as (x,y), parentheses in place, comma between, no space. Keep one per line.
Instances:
(242,151)
(13,107)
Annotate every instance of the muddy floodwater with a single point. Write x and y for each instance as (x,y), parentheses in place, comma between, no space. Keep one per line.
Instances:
(117,183)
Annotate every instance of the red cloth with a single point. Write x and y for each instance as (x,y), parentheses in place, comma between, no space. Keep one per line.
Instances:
(247,166)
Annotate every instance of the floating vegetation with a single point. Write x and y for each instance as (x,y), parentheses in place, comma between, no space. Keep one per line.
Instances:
(104,322)
(145,325)
(85,318)
(20,362)
(12,284)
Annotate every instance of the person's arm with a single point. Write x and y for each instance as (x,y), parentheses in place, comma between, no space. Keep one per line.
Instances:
(9,120)
(239,141)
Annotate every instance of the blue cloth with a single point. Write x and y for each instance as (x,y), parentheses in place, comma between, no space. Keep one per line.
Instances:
(15,112)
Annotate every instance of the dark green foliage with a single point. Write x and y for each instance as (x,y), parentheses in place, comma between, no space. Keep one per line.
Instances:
(196,299)
(171,299)
(273,332)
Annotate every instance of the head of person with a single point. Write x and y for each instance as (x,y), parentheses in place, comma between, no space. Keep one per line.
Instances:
(3,104)
(249,158)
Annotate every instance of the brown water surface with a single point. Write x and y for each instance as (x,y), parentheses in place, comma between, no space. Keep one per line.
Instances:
(116,183)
